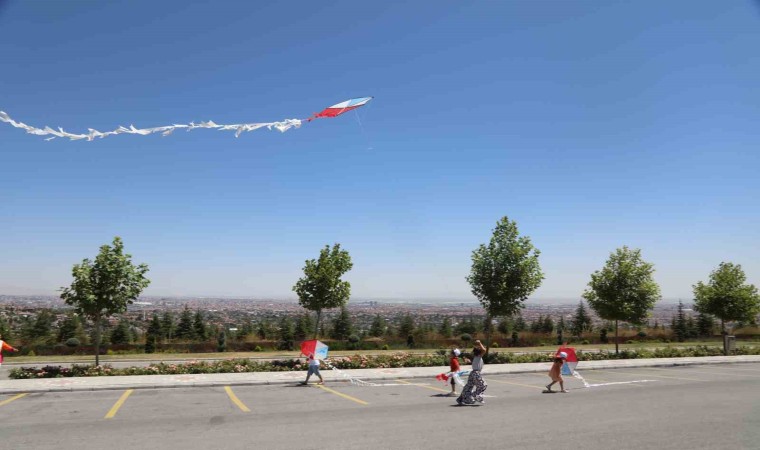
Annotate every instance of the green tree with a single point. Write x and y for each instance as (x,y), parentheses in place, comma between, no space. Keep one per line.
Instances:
(221,341)
(624,290)
(304,326)
(548,325)
(581,321)
(39,329)
(70,327)
(705,324)
(504,272)
(285,334)
(152,334)
(5,329)
(321,287)
(342,326)
(445,329)
(105,286)
(727,296)
(406,326)
(377,328)
(167,326)
(185,328)
(680,324)
(121,335)
(199,326)
(520,324)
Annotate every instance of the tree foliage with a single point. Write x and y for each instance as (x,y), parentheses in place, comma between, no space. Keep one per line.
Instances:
(727,296)
(321,286)
(581,321)
(624,290)
(342,326)
(105,286)
(505,271)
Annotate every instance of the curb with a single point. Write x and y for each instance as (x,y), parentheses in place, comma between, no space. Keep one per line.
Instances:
(90,384)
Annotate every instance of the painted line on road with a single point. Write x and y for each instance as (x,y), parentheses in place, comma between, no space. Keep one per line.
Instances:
(620,382)
(118,404)
(649,375)
(422,386)
(340,394)
(598,380)
(532,386)
(236,400)
(15,397)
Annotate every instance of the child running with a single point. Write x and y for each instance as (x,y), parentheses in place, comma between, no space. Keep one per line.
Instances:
(555,373)
(454,365)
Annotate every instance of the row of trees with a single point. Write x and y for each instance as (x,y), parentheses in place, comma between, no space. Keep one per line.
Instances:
(504,273)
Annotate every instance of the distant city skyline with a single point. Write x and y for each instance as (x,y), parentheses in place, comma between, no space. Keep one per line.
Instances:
(591,124)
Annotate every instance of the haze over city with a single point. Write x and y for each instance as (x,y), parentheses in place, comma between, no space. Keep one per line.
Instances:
(592,125)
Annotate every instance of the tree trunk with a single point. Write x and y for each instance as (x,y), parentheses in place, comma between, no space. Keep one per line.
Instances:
(616,338)
(97,340)
(316,330)
(488,334)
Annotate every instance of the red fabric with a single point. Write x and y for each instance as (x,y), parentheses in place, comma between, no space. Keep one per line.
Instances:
(571,356)
(455,364)
(334,112)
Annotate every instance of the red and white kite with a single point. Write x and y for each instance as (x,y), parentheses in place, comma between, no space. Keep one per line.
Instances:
(571,361)
(282,126)
(315,348)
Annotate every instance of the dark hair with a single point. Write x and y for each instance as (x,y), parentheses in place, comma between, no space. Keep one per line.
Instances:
(477,351)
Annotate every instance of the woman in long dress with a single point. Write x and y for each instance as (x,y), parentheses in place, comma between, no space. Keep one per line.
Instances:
(476,385)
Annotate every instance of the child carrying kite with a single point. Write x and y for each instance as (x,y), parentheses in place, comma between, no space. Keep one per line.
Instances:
(555,373)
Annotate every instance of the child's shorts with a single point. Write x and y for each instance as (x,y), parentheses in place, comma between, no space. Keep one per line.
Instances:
(313,370)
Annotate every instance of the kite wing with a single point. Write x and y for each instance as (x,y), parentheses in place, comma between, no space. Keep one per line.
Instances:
(571,362)
(342,107)
(238,128)
(314,347)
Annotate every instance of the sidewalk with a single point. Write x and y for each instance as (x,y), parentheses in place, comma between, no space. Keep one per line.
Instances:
(367,375)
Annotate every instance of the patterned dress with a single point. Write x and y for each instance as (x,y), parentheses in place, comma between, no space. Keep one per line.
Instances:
(476,385)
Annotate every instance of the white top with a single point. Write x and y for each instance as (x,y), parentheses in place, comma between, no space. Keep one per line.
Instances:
(313,362)
(477,363)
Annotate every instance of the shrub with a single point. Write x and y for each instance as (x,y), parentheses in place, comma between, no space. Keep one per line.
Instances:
(258,349)
(495,345)
(584,342)
(72,342)
(385,347)
(465,337)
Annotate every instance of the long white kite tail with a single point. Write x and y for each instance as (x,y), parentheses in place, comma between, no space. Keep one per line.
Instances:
(355,381)
(282,126)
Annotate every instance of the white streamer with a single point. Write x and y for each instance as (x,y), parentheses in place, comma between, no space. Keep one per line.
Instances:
(356,381)
(282,127)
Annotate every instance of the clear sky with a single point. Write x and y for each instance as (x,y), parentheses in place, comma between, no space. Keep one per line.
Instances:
(592,124)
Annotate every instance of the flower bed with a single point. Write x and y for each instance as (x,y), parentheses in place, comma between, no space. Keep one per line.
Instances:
(400,359)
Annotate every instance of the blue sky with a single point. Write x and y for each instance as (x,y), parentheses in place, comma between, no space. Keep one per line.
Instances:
(592,124)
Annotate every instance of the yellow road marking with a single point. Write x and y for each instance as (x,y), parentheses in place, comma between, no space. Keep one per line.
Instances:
(118,404)
(517,384)
(236,400)
(423,386)
(339,394)
(648,375)
(15,397)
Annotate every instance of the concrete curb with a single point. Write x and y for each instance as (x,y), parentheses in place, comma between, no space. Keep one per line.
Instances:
(79,384)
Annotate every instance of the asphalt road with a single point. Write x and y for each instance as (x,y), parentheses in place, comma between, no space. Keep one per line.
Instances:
(697,407)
